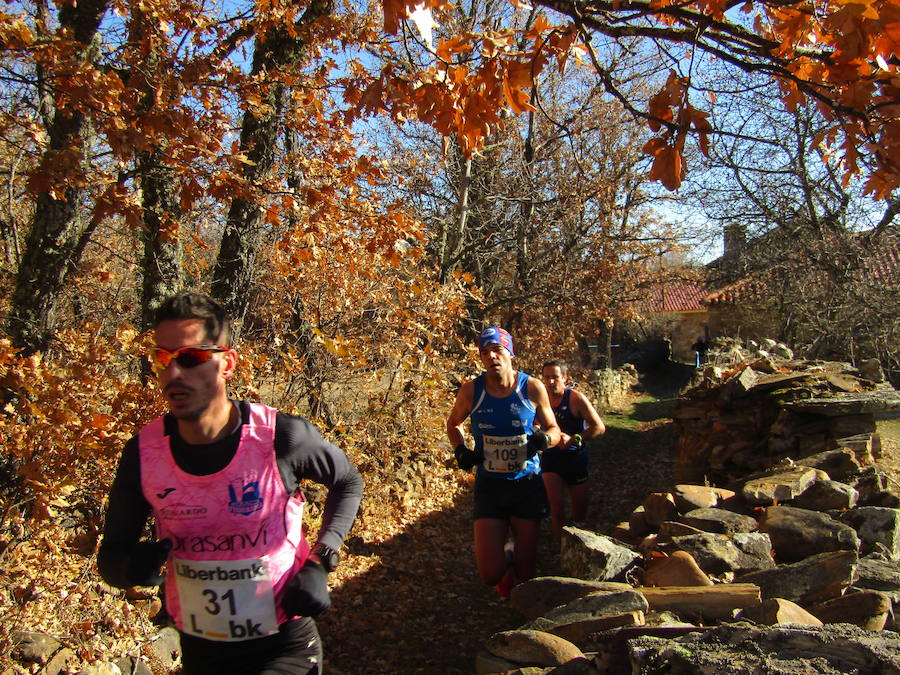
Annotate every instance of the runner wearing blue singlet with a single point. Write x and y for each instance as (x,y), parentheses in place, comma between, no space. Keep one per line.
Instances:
(565,465)
(503,406)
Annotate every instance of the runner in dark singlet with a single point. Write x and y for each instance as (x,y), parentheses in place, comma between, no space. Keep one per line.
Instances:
(565,466)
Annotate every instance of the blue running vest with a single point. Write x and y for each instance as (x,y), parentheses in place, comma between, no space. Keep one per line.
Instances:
(500,427)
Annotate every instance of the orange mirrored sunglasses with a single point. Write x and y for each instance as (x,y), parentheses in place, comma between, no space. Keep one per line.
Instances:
(186,357)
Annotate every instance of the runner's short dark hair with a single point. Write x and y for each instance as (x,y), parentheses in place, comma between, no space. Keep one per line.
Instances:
(563,368)
(192,305)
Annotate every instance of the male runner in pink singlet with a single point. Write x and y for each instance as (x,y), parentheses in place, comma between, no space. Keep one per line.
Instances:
(219,477)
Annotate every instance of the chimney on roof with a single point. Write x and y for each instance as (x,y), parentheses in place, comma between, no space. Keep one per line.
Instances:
(734,237)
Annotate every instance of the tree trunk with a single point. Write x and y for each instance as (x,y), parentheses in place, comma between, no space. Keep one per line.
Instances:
(162,245)
(452,242)
(523,227)
(315,358)
(160,206)
(58,232)
(235,267)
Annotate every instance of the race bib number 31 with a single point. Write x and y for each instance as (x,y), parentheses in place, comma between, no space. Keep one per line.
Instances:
(226,600)
(505,454)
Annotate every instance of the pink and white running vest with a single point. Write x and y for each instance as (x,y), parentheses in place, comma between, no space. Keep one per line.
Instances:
(237,534)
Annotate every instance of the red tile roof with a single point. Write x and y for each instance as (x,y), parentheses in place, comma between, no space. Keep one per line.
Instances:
(744,289)
(882,267)
(677,296)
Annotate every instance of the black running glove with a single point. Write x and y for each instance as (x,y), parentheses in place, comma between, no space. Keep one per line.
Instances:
(306,594)
(537,442)
(466,458)
(147,557)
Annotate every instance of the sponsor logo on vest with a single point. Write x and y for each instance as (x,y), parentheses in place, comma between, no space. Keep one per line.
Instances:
(506,441)
(236,541)
(237,631)
(243,498)
(183,512)
(255,569)
(517,423)
(165,493)
(485,426)
(514,408)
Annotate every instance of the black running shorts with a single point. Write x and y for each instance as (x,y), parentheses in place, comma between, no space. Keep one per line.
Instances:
(294,650)
(572,466)
(503,499)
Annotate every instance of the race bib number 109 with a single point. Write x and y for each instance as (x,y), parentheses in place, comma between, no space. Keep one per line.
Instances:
(505,454)
(226,600)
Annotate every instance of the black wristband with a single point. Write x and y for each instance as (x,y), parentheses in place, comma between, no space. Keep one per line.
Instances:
(328,556)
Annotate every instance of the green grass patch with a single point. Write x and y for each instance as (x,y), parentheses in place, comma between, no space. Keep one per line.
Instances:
(641,411)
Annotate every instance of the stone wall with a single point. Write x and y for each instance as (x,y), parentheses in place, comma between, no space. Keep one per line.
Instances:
(612,389)
(751,415)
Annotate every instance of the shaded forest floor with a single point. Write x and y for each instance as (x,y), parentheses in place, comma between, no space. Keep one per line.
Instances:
(412,602)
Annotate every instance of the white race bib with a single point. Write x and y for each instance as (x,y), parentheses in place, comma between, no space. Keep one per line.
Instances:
(226,600)
(505,454)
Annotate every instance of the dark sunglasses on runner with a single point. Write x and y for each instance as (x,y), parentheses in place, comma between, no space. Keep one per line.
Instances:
(186,357)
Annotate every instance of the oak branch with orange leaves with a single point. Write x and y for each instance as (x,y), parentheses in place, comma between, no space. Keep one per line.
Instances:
(838,55)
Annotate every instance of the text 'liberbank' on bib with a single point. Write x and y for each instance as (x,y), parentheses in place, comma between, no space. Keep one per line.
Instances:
(226,600)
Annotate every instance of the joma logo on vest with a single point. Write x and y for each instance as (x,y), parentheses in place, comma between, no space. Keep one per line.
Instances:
(237,541)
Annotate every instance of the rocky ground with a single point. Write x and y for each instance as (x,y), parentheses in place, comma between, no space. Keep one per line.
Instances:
(419,607)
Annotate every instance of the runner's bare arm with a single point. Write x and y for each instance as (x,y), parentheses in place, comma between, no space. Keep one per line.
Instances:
(583,408)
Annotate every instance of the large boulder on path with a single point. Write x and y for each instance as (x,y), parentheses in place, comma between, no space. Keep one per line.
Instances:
(776,611)
(677,569)
(721,553)
(816,579)
(838,464)
(601,603)
(719,521)
(878,574)
(746,648)
(799,533)
(690,497)
(876,525)
(535,597)
(827,495)
(866,609)
(594,557)
(532,647)
(778,487)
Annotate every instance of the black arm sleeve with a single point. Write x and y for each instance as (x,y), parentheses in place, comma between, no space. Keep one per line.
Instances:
(303,453)
(126,516)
